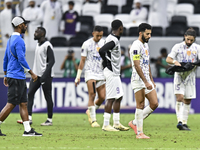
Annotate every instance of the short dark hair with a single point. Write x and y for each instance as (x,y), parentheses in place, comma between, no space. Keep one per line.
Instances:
(144,26)
(43,30)
(163,50)
(98,28)
(116,24)
(71,3)
(190,32)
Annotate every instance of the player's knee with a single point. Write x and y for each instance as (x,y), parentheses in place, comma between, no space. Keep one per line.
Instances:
(140,105)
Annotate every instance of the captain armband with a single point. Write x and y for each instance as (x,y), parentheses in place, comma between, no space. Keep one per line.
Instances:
(136,57)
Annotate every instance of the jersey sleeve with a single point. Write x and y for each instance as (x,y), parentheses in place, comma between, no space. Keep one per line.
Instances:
(84,49)
(173,53)
(135,52)
(198,51)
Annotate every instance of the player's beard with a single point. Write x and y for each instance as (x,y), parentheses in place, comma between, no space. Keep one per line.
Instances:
(23,30)
(144,40)
(188,44)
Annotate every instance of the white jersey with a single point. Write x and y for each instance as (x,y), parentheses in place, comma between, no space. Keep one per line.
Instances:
(182,53)
(40,60)
(138,48)
(113,56)
(93,64)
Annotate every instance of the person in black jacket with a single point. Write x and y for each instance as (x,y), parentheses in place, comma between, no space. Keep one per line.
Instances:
(43,64)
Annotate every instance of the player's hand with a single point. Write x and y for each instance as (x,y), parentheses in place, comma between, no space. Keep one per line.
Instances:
(148,86)
(77,81)
(5,81)
(34,77)
(154,84)
(177,63)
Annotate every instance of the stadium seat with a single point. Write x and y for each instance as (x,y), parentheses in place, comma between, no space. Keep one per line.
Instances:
(91,9)
(58,41)
(179,21)
(184,9)
(196,29)
(83,34)
(171,9)
(76,41)
(87,24)
(175,31)
(110,9)
(157,31)
(194,20)
(129,2)
(126,9)
(133,31)
(105,31)
(124,32)
(125,18)
(104,20)
(193,2)
(197,8)
(119,3)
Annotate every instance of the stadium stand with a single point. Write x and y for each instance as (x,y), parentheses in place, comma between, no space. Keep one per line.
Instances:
(157,31)
(110,9)
(58,41)
(184,9)
(91,9)
(133,31)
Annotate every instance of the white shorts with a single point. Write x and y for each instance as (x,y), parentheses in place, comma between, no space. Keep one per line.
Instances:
(185,87)
(113,85)
(90,76)
(138,85)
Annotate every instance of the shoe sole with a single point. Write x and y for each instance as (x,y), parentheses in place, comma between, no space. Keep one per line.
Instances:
(121,129)
(31,135)
(109,131)
(46,124)
(133,127)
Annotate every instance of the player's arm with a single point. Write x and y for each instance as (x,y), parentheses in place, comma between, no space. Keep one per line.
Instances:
(150,75)
(108,46)
(80,68)
(103,50)
(172,61)
(51,61)
(136,61)
(172,55)
(5,62)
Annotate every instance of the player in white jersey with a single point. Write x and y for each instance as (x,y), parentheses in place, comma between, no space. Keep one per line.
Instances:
(43,68)
(184,82)
(111,55)
(93,73)
(141,81)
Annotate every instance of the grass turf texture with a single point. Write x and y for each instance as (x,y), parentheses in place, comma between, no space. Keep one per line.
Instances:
(72,131)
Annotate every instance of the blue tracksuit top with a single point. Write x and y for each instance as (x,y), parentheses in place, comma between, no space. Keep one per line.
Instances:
(15,67)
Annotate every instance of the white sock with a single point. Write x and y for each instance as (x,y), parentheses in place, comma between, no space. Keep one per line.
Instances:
(116,118)
(139,120)
(146,112)
(50,119)
(178,111)
(96,106)
(186,111)
(27,126)
(92,111)
(0,123)
(106,121)
(29,117)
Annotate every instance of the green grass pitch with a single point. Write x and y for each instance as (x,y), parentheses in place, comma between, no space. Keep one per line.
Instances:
(72,131)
